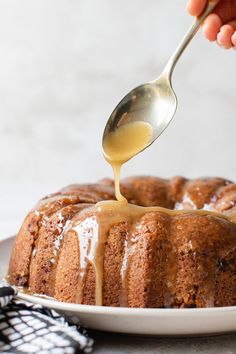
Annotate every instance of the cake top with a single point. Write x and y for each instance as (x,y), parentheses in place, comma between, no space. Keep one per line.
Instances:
(216,194)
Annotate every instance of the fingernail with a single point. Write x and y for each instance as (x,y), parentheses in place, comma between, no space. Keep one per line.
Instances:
(219,39)
(233,39)
(220,44)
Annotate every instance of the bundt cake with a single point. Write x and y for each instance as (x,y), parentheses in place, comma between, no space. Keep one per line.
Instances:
(75,250)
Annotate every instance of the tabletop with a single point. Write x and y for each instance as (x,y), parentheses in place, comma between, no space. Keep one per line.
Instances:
(126,344)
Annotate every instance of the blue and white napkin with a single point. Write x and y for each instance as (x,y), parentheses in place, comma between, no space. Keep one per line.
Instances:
(28,328)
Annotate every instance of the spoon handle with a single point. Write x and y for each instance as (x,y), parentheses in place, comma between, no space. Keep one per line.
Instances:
(168,70)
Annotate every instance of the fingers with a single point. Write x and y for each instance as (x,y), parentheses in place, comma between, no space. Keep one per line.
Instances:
(215,30)
(220,26)
(195,7)
(226,10)
(211,27)
(224,37)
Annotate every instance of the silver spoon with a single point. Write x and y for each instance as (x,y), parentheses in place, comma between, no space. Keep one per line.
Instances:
(155,102)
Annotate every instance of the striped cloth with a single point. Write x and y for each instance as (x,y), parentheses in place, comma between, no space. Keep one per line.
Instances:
(28,328)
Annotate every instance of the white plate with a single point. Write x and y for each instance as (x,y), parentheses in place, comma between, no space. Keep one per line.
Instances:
(136,321)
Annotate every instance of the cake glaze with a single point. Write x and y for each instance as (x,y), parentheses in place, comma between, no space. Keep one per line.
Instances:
(76,249)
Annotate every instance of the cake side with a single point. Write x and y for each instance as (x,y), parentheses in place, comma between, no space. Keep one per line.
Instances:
(47,253)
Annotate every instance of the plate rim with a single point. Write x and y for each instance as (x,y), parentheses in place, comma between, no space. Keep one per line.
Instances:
(112,310)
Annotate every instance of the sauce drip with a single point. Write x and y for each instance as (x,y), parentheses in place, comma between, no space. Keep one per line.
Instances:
(110,213)
(122,144)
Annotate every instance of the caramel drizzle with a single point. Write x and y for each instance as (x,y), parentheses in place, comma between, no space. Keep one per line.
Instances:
(122,144)
(93,233)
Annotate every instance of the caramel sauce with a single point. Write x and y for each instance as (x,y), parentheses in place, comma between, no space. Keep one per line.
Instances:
(123,144)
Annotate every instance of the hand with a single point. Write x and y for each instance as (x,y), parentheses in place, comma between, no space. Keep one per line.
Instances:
(219,26)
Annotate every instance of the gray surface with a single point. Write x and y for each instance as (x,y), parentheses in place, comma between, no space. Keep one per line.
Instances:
(121,344)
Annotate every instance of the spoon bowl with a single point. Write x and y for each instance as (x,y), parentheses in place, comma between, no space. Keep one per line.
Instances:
(154,102)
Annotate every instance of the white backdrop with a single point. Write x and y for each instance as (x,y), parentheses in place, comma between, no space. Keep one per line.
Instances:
(65,64)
